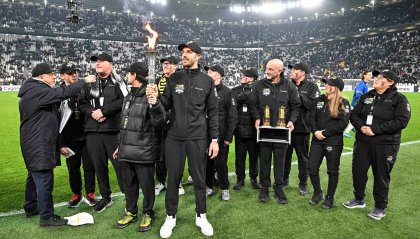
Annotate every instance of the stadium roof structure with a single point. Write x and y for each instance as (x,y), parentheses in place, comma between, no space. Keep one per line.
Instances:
(213,10)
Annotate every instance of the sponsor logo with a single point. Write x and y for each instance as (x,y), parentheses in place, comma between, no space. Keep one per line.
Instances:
(320,105)
(266,92)
(329,148)
(368,101)
(179,89)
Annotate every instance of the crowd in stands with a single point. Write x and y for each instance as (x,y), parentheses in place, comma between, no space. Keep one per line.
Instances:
(347,58)
(52,18)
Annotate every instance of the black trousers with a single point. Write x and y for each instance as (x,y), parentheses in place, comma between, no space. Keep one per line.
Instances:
(161,170)
(220,164)
(300,143)
(73,166)
(267,150)
(196,151)
(135,176)
(101,146)
(38,193)
(382,159)
(242,146)
(332,154)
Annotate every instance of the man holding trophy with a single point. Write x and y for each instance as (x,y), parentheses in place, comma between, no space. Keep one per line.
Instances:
(276,104)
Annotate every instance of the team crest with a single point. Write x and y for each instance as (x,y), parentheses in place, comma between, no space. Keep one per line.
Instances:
(266,92)
(179,89)
(390,158)
(368,101)
(320,105)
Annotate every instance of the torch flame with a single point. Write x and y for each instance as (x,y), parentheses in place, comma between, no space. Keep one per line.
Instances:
(151,40)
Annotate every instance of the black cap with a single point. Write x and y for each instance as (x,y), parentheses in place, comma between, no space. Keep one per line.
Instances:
(139,68)
(217,68)
(300,66)
(103,56)
(171,59)
(386,74)
(41,68)
(68,67)
(338,82)
(192,45)
(251,72)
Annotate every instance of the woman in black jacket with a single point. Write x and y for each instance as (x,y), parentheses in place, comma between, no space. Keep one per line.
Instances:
(378,117)
(329,117)
(139,146)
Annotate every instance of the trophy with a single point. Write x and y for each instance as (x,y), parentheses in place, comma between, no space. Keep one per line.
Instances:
(281,121)
(266,119)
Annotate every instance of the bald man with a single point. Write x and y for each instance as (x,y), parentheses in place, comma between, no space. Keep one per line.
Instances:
(274,91)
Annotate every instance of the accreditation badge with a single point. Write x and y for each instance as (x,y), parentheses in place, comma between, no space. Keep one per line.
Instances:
(369,119)
(244,108)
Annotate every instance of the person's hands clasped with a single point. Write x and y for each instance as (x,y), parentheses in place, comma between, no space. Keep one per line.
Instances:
(97,115)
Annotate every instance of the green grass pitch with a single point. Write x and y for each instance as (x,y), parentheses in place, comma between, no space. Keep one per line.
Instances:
(242,216)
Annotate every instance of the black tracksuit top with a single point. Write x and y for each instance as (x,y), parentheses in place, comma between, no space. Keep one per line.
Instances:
(321,119)
(191,96)
(391,113)
(246,126)
(228,116)
(283,93)
(308,92)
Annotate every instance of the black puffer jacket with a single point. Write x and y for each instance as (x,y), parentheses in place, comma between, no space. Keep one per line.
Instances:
(140,128)
(391,114)
(39,122)
(111,108)
(246,126)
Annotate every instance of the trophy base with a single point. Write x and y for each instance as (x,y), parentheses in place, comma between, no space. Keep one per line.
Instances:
(274,134)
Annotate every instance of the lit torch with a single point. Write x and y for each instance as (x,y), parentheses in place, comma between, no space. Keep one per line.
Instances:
(151,52)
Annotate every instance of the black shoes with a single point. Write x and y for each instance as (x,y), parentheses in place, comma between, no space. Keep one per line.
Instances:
(254,183)
(303,189)
(286,183)
(316,198)
(239,185)
(280,197)
(31,213)
(103,204)
(53,221)
(263,196)
(75,201)
(328,202)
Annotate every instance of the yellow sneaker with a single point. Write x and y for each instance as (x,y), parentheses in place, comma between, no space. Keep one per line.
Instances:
(145,223)
(127,219)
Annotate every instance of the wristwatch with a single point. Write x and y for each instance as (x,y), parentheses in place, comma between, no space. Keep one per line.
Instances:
(214,140)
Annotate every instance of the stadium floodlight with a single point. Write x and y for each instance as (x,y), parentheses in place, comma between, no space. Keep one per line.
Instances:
(128,11)
(220,21)
(310,3)
(163,2)
(103,8)
(151,14)
(173,17)
(45,2)
(316,15)
(197,20)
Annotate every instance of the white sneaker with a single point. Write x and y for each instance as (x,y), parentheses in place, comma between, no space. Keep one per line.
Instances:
(225,195)
(159,187)
(205,225)
(167,227)
(181,190)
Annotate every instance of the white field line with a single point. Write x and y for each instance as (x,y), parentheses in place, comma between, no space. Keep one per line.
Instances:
(118,194)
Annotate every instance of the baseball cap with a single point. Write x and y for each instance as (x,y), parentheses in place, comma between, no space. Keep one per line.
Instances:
(139,68)
(300,66)
(192,45)
(386,74)
(41,68)
(251,72)
(217,68)
(338,82)
(68,67)
(171,59)
(103,56)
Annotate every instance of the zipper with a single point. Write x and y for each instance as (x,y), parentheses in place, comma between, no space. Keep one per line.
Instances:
(188,96)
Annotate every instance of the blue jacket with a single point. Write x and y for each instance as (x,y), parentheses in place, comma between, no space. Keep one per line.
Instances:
(360,89)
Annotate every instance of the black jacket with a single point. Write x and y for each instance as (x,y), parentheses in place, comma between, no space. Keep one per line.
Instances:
(228,116)
(140,128)
(111,108)
(391,114)
(191,96)
(73,131)
(308,92)
(246,126)
(332,127)
(39,122)
(283,93)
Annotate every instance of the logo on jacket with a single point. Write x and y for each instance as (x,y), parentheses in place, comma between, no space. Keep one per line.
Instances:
(320,105)
(266,92)
(233,102)
(347,110)
(179,89)
(408,107)
(368,101)
(390,158)
(329,148)
(317,94)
